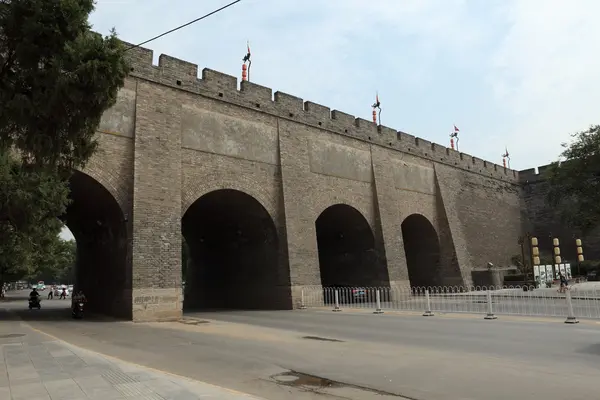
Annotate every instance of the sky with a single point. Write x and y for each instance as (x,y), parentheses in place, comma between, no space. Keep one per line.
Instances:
(520,75)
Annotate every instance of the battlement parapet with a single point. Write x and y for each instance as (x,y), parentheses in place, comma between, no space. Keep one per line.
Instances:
(536,174)
(183,75)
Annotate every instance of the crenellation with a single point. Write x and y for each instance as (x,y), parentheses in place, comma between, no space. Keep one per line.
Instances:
(317,112)
(345,121)
(256,92)
(424,144)
(387,135)
(177,69)
(219,81)
(138,57)
(532,174)
(543,169)
(453,157)
(181,74)
(286,102)
(365,129)
(439,150)
(406,137)
(527,175)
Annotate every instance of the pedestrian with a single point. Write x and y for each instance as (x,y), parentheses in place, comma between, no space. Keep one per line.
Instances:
(564,283)
(51,293)
(63,294)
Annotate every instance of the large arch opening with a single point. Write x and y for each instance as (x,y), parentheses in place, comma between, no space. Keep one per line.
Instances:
(234,259)
(97,222)
(422,249)
(348,255)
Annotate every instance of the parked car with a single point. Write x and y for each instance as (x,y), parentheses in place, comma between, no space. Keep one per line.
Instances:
(346,294)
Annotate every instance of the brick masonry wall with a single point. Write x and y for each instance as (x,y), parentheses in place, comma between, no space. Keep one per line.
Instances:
(184,137)
(485,217)
(545,224)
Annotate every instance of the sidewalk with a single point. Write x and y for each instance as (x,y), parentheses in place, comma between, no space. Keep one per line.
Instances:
(38,367)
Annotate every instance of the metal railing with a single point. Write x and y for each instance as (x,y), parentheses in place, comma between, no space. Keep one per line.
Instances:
(574,302)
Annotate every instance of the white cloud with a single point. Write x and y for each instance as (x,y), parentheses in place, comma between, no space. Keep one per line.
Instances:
(520,73)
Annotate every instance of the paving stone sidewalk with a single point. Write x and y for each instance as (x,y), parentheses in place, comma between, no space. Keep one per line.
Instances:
(36,367)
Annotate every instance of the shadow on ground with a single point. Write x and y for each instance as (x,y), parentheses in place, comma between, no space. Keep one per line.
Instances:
(16,305)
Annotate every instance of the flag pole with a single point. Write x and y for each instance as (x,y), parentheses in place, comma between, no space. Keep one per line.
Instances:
(377,105)
(247,59)
(506,156)
(454,135)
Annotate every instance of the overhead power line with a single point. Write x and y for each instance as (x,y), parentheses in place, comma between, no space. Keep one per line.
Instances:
(184,25)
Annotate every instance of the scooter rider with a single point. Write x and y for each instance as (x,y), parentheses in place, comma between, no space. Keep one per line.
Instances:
(34,295)
(34,298)
(78,297)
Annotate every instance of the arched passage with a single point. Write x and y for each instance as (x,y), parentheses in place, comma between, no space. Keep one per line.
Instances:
(97,222)
(347,249)
(422,249)
(234,255)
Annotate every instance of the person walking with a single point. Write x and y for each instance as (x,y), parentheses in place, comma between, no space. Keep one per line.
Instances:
(63,294)
(51,293)
(564,283)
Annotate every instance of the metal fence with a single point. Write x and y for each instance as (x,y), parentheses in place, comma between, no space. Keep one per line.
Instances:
(571,303)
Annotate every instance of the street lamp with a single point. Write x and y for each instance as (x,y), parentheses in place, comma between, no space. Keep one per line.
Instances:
(557,258)
(580,258)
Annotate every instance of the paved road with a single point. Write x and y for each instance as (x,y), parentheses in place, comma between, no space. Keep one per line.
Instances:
(448,357)
(34,366)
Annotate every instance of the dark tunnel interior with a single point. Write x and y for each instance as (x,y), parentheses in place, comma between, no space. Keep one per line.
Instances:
(422,249)
(98,225)
(234,256)
(347,250)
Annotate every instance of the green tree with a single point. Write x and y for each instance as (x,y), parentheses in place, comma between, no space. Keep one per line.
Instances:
(54,260)
(574,183)
(30,200)
(57,78)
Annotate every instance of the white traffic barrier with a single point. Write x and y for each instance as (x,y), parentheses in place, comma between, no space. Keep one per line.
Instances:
(506,300)
(490,312)
(337,301)
(302,304)
(378,310)
(571,318)
(428,312)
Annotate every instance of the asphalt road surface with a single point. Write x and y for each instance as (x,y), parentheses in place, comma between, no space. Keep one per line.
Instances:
(448,357)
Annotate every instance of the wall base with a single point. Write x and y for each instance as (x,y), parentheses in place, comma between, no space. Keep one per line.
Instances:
(311,296)
(155,305)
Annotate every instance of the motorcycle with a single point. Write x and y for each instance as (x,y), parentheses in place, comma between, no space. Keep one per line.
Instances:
(34,302)
(78,309)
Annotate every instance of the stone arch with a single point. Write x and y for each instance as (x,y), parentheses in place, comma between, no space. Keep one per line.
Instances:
(422,249)
(347,249)
(194,189)
(112,181)
(99,226)
(234,254)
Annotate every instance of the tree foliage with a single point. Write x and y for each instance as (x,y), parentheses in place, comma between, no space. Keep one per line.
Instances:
(57,78)
(574,183)
(55,261)
(30,201)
